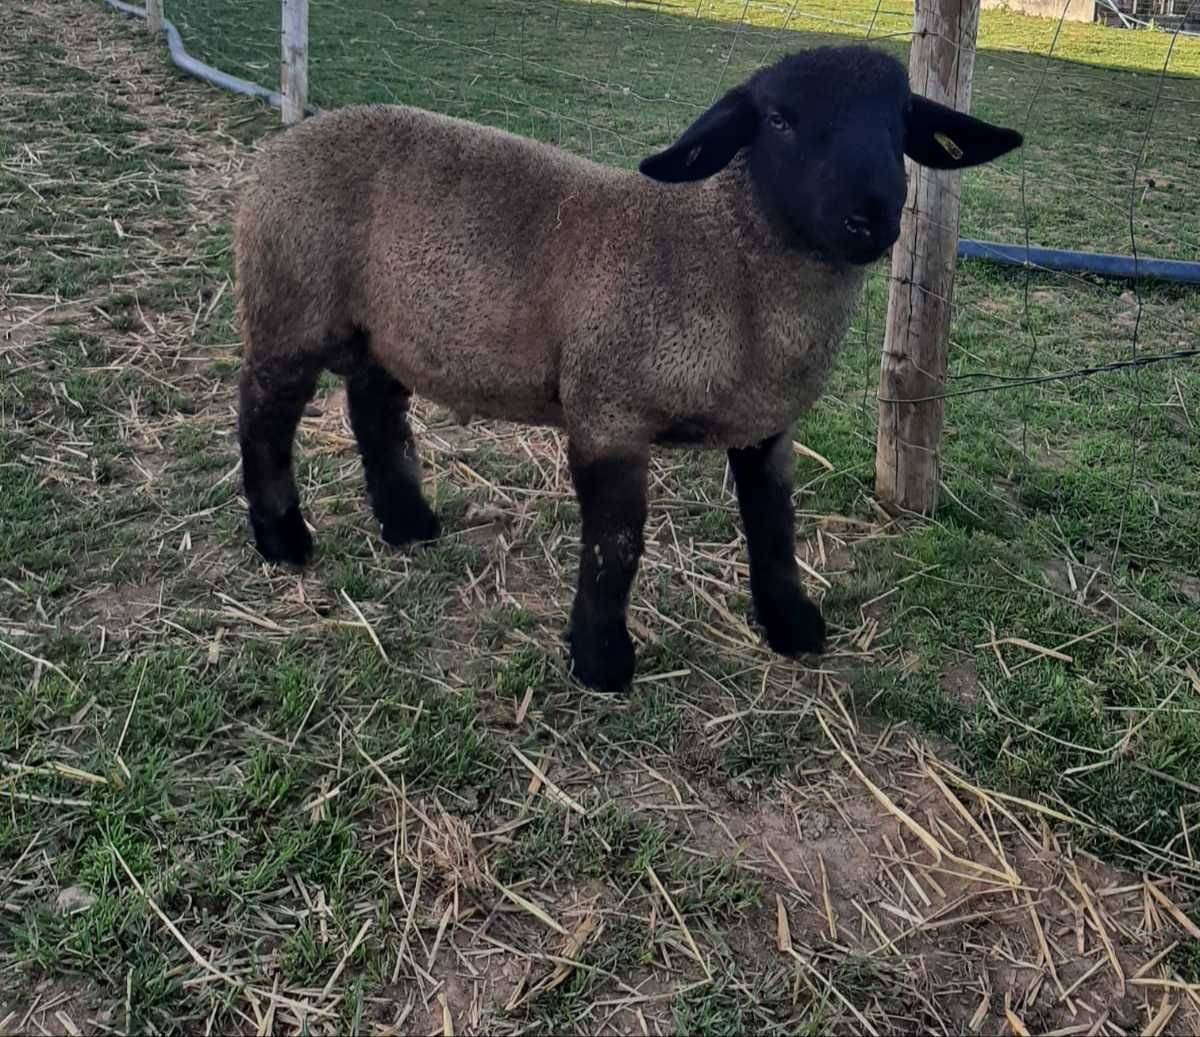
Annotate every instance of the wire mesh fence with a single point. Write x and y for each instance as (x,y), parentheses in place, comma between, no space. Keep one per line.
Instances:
(1112,124)
(1111,121)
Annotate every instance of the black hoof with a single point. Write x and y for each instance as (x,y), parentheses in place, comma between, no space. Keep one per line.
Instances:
(410,525)
(285,539)
(793,624)
(602,656)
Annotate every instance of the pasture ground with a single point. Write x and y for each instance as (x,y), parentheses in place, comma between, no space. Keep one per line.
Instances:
(369,800)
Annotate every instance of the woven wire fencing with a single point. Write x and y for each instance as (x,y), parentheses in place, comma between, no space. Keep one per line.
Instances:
(1112,123)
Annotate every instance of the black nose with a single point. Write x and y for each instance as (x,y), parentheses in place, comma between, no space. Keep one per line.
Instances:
(873,228)
(860,225)
(868,235)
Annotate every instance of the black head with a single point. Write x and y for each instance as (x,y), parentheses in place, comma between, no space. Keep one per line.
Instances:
(826,132)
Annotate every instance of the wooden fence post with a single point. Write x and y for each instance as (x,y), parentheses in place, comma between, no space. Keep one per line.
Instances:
(293,72)
(154,16)
(920,299)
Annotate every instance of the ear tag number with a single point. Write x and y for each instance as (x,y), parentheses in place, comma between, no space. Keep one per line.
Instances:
(952,149)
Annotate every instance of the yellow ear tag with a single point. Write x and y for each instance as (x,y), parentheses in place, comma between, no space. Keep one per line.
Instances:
(952,149)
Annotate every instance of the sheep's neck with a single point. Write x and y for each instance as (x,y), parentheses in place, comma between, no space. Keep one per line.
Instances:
(799,307)
(740,203)
(779,275)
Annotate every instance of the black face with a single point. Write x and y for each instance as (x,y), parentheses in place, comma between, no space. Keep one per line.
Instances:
(828,161)
(825,134)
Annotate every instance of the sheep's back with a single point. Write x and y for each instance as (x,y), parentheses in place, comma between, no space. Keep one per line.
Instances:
(466,254)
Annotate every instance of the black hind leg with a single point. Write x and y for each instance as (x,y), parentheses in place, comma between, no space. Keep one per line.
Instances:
(379,417)
(272,401)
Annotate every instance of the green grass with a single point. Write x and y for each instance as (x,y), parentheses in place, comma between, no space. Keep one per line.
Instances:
(280,762)
(715,1013)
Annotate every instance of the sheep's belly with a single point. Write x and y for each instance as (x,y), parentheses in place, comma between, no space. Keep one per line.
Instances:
(484,374)
(746,411)
(710,430)
(468,399)
(520,412)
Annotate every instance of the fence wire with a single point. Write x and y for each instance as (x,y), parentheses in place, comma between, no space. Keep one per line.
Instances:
(1112,124)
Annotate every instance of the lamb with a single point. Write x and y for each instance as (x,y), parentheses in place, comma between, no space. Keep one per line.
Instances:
(697,302)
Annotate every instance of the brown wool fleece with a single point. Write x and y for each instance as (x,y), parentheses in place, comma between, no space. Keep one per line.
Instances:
(505,278)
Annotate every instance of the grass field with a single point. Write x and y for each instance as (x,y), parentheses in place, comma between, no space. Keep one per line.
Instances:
(368,800)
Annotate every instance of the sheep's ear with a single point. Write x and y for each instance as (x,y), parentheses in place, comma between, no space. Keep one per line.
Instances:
(709,144)
(941,138)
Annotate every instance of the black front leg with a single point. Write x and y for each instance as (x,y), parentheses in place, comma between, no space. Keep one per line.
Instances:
(612,505)
(763,476)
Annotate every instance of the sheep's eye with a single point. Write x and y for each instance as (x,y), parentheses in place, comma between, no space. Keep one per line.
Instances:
(777,121)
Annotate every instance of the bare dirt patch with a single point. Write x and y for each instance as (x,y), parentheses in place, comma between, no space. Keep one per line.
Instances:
(973,907)
(59,1008)
(961,682)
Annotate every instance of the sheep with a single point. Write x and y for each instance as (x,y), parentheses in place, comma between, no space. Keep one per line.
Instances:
(697,302)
